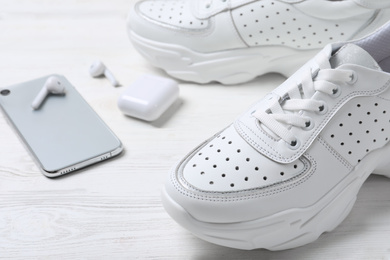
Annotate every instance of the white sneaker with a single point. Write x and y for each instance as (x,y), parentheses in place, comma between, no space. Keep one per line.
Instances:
(290,168)
(233,41)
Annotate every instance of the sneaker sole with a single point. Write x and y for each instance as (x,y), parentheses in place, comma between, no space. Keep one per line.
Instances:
(290,228)
(227,67)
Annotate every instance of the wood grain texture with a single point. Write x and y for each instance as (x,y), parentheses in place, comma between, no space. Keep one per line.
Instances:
(113,210)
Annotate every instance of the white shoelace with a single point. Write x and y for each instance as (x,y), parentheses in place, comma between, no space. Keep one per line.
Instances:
(286,112)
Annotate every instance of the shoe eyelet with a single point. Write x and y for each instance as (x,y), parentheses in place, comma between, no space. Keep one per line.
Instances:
(323,109)
(208,6)
(353,77)
(309,125)
(336,92)
(294,145)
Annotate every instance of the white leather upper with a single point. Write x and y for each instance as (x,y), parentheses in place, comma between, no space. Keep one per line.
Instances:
(359,127)
(307,25)
(276,149)
(222,181)
(228,163)
(216,25)
(171,13)
(245,205)
(180,27)
(207,8)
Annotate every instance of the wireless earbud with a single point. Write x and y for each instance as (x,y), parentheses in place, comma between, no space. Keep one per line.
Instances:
(98,69)
(52,86)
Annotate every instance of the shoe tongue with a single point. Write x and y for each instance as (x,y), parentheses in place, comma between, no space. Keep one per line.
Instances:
(353,54)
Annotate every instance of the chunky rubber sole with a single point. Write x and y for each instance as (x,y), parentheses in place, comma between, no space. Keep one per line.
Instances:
(227,67)
(290,228)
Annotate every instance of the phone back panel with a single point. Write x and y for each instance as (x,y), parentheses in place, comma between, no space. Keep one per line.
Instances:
(64,131)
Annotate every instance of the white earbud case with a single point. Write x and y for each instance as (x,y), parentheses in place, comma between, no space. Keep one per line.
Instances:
(148,97)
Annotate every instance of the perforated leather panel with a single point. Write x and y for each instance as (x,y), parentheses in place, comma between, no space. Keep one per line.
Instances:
(359,127)
(276,23)
(171,13)
(228,163)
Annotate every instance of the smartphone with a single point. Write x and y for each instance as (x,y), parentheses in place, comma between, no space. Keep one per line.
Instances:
(65,134)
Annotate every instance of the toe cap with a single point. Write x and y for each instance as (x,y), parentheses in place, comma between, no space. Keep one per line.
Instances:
(202,182)
(227,163)
(170,14)
(173,22)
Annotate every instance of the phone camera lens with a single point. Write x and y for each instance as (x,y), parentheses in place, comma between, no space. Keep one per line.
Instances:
(5,92)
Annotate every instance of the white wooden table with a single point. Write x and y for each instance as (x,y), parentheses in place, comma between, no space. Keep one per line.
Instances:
(113,210)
